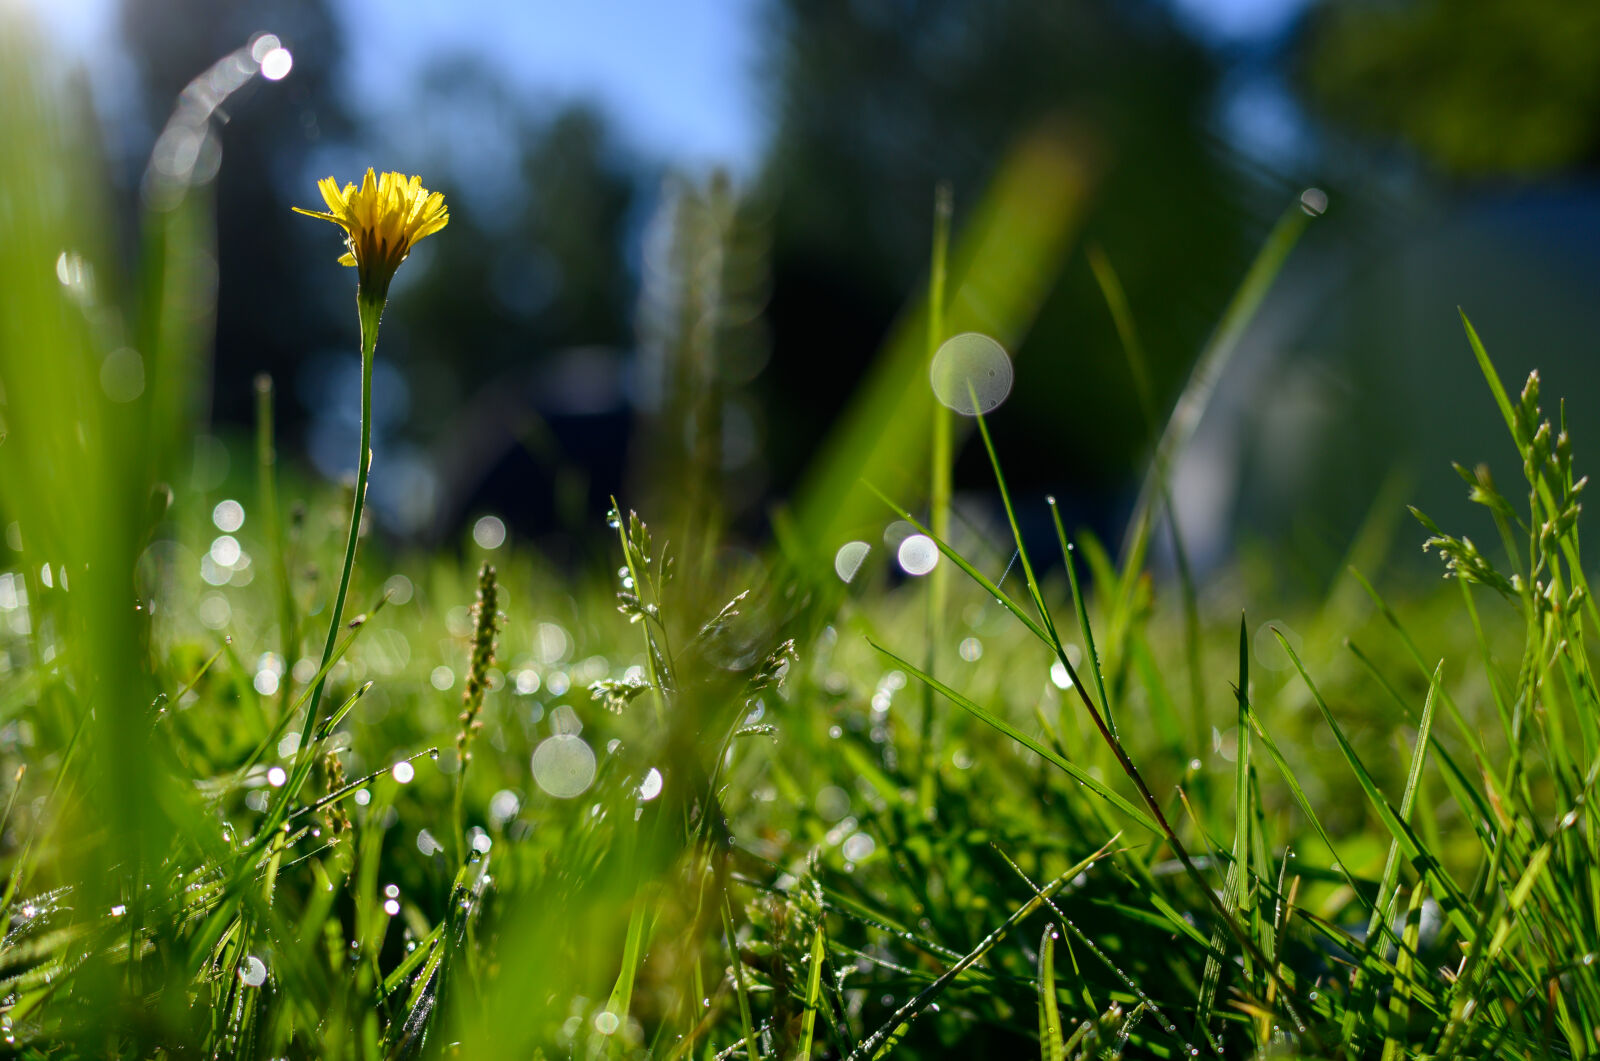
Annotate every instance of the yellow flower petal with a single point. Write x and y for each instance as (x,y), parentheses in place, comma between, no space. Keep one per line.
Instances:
(382,220)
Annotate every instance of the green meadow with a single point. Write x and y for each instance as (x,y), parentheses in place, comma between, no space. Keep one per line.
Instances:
(275,785)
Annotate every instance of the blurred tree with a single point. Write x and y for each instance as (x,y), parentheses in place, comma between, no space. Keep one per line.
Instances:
(517,329)
(1487,88)
(269,308)
(876,100)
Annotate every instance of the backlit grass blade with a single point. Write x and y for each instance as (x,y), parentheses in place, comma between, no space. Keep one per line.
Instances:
(1218,352)
(880,1041)
(1388,884)
(973,573)
(1092,653)
(1394,1044)
(1450,897)
(1490,376)
(1051,1046)
(1016,532)
(813,991)
(741,992)
(1078,774)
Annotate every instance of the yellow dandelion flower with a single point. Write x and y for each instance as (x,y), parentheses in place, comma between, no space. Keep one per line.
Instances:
(382,220)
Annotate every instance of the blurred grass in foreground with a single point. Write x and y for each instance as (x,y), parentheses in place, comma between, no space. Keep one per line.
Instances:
(702,827)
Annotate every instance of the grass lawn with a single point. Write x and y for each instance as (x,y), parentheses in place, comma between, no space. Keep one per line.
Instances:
(271,789)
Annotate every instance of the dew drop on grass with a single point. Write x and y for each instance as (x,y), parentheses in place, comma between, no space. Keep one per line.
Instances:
(848,560)
(403,772)
(253,971)
(1314,201)
(564,765)
(971,365)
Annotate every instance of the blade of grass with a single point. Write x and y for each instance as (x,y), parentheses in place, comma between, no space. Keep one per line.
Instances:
(1451,897)
(939,491)
(1078,604)
(813,992)
(881,1041)
(1051,1046)
(1076,772)
(752,1047)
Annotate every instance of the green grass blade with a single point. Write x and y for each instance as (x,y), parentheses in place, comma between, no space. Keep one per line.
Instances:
(1490,376)
(1218,351)
(813,992)
(1451,896)
(1077,773)
(973,573)
(1051,1045)
(881,1041)
(1079,605)
(752,1046)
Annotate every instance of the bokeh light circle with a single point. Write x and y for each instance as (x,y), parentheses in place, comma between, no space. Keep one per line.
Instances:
(847,561)
(564,765)
(971,365)
(918,554)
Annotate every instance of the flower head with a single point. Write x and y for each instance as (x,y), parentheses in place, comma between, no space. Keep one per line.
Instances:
(381,219)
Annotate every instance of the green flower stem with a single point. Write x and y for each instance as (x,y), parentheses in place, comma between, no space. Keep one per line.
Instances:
(371,311)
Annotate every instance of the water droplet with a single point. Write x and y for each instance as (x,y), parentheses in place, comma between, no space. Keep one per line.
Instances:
(606,1022)
(391,907)
(650,787)
(403,772)
(276,777)
(971,365)
(1314,201)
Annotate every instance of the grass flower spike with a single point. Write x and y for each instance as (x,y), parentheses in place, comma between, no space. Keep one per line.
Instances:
(382,220)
